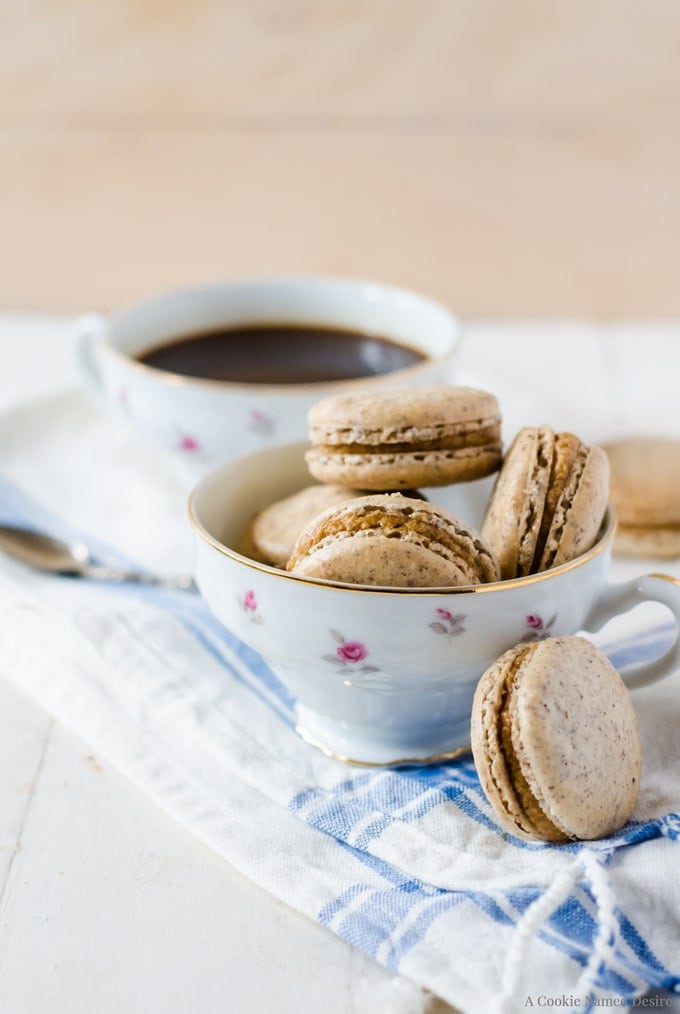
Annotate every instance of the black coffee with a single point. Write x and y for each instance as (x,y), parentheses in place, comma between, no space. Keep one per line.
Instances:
(281,354)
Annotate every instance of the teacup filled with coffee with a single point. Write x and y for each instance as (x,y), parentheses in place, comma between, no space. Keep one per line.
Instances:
(225,369)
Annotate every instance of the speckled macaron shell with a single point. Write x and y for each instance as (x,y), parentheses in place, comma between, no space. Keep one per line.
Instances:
(548,501)
(555,741)
(405,437)
(392,541)
(645,481)
(645,490)
(272,533)
(514,514)
(580,506)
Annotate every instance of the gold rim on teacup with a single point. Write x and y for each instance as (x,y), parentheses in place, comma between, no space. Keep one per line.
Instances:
(605,539)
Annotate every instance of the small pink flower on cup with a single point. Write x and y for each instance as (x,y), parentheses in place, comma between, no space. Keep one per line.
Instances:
(249,601)
(535,622)
(189,443)
(260,422)
(444,614)
(352,651)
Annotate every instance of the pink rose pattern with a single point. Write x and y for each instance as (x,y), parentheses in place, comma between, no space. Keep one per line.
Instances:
(189,443)
(453,624)
(349,656)
(538,628)
(352,651)
(448,623)
(260,423)
(248,604)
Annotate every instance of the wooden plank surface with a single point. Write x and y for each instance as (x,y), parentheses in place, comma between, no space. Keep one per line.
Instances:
(511,159)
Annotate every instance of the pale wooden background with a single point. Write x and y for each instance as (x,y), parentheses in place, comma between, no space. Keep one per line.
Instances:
(511,157)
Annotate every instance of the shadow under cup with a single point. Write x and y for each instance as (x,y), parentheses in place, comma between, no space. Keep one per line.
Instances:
(382,675)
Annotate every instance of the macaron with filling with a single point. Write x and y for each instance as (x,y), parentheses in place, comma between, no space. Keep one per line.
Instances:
(555,741)
(404,438)
(548,502)
(393,541)
(645,490)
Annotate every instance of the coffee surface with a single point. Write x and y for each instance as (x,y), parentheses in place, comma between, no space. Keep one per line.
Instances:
(281,354)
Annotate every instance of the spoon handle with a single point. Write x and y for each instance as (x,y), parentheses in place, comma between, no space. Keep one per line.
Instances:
(182,582)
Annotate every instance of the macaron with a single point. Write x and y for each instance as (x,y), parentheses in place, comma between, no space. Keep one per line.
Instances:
(548,502)
(645,490)
(555,741)
(270,535)
(392,541)
(404,438)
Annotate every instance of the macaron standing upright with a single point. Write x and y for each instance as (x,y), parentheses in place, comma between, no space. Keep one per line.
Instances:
(555,741)
(548,502)
(404,438)
(392,541)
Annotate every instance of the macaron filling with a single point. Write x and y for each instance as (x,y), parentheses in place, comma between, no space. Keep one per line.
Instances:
(567,485)
(354,440)
(503,744)
(537,485)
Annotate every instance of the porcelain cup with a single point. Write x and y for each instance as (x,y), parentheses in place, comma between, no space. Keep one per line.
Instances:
(387,676)
(211,421)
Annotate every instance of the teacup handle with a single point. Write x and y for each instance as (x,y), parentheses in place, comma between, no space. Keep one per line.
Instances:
(620,598)
(89,331)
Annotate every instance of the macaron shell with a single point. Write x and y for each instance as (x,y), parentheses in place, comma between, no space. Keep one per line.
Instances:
(645,480)
(579,513)
(515,510)
(387,415)
(274,530)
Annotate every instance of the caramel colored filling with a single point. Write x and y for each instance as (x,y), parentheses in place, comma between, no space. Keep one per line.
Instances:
(568,463)
(406,439)
(530,817)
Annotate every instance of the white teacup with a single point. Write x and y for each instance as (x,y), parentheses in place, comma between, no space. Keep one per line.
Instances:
(382,675)
(217,420)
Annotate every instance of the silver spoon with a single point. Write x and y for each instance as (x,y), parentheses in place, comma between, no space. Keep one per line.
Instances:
(73,559)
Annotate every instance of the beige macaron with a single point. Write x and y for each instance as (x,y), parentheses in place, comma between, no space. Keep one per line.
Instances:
(555,741)
(404,438)
(645,490)
(270,535)
(548,502)
(392,541)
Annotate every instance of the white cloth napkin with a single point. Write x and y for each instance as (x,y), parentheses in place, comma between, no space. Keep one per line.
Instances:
(409,865)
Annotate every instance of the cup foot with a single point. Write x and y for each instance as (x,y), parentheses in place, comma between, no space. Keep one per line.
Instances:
(356,743)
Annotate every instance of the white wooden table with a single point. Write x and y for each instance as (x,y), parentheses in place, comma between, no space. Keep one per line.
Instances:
(106,905)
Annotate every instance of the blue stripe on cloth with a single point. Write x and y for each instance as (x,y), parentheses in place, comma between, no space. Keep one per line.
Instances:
(395,925)
(641,648)
(244,664)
